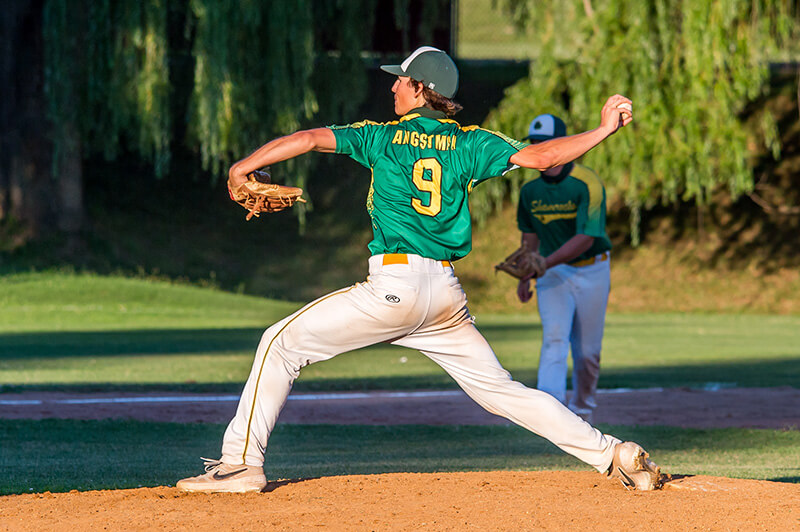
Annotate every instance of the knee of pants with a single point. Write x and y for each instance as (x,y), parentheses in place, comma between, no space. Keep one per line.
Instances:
(556,332)
(275,344)
(583,358)
(555,336)
(554,351)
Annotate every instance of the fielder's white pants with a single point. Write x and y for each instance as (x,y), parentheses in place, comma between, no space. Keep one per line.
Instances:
(572,305)
(420,305)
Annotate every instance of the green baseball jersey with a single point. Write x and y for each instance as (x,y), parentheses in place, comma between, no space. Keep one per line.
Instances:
(558,210)
(424,167)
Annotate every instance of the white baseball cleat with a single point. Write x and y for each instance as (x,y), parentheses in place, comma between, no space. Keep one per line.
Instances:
(225,478)
(633,467)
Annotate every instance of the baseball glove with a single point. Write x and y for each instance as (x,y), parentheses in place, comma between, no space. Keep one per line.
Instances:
(523,264)
(258,194)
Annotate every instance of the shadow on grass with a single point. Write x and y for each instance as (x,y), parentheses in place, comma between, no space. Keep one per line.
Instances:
(141,342)
(17,346)
(767,372)
(756,373)
(492,329)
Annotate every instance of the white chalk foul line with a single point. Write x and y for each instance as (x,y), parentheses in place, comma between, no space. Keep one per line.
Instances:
(235,398)
(230,398)
(342,396)
(165,399)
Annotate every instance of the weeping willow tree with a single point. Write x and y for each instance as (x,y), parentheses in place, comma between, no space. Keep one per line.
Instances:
(106,75)
(690,67)
(252,74)
(339,73)
(110,84)
(105,78)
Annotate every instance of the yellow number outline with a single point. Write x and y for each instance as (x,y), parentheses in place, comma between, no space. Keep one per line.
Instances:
(432,186)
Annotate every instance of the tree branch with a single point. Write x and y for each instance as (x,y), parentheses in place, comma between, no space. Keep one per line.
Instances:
(587,7)
(768,207)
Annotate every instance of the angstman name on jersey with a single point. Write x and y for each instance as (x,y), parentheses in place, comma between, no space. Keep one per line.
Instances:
(424,141)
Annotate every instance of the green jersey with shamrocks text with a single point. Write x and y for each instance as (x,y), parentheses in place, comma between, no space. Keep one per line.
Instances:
(557,210)
(424,167)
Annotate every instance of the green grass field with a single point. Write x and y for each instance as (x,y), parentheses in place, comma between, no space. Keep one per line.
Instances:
(60,455)
(485,32)
(69,331)
(84,332)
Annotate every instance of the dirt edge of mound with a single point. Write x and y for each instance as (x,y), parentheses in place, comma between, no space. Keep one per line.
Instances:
(495,500)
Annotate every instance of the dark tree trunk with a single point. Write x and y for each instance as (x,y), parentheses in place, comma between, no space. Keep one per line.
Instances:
(28,192)
(70,181)
(10,21)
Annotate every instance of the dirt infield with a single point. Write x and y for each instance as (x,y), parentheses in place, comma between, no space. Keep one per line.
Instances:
(553,500)
(403,501)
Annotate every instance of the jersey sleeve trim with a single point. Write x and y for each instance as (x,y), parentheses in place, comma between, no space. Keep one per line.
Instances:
(362,123)
(593,183)
(511,142)
(594,225)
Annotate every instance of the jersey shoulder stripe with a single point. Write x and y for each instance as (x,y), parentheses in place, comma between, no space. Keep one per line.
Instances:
(357,125)
(592,181)
(412,116)
(518,145)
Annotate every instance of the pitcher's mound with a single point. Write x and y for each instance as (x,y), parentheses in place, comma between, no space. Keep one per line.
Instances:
(496,500)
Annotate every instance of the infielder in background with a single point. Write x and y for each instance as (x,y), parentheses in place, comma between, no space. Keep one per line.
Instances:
(423,167)
(562,215)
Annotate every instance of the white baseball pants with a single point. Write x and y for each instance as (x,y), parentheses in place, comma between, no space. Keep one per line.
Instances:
(572,305)
(420,305)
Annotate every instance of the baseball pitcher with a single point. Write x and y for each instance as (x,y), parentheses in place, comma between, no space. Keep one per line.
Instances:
(423,166)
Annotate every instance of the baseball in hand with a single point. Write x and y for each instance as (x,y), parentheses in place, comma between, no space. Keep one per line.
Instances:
(625,106)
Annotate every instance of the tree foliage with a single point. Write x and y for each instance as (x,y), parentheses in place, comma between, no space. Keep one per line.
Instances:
(106,73)
(691,69)
(252,74)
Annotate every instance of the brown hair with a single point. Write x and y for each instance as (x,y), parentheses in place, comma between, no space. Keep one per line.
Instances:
(435,101)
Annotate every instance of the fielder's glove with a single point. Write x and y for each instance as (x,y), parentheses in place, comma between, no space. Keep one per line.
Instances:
(258,194)
(524,264)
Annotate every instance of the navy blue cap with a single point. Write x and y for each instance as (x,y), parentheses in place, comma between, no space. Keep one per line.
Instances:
(546,127)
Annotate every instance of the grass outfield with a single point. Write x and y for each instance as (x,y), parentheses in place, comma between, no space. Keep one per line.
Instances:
(62,301)
(60,455)
(79,332)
